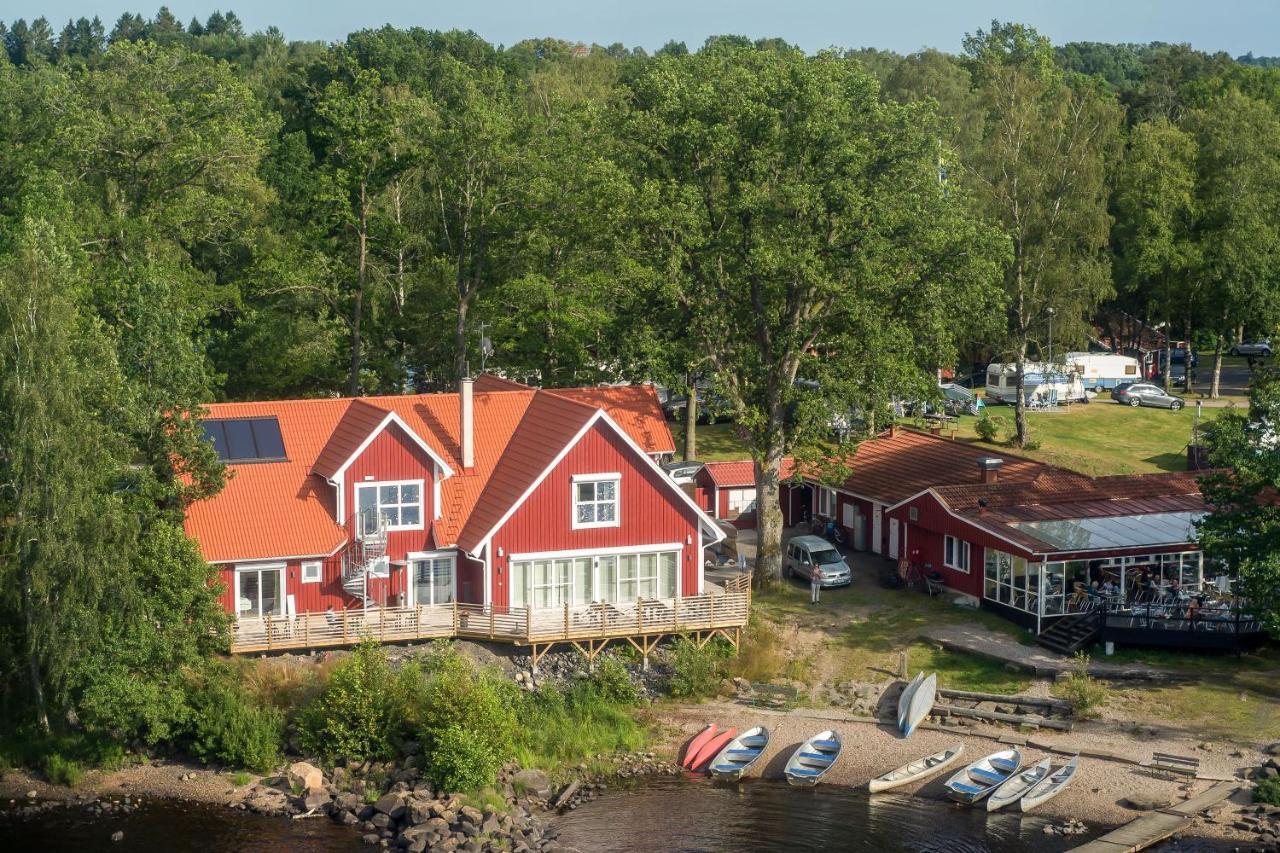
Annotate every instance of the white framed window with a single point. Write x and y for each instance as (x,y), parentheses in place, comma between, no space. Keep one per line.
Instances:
(260,590)
(434,577)
(955,554)
(595,500)
(740,501)
(826,502)
(312,571)
(399,503)
(553,582)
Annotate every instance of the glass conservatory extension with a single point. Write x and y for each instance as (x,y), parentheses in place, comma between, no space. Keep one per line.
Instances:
(1049,588)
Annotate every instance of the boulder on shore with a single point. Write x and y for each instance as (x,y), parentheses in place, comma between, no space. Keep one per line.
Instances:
(533,781)
(306,776)
(1144,802)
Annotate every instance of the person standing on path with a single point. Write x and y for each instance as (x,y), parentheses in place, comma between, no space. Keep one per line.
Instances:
(815,584)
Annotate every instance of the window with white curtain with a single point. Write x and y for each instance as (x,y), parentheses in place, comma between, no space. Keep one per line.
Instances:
(579,581)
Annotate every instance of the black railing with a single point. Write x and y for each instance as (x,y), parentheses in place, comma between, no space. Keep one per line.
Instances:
(1181,623)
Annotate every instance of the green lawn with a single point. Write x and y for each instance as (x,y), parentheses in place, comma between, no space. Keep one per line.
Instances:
(1099,438)
(716,442)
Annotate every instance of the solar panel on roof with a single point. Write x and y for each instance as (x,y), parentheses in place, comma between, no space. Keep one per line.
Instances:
(246,439)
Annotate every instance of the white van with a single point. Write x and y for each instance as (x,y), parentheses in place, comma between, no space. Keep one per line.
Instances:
(805,555)
(1101,371)
(1047,383)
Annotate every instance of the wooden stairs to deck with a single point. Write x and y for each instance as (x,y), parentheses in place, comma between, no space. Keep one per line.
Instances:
(1070,634)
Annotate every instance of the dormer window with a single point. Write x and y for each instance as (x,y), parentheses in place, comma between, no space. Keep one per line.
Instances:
(399,504)
(595,500)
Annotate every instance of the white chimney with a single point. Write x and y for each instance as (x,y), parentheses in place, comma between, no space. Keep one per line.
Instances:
(465,388)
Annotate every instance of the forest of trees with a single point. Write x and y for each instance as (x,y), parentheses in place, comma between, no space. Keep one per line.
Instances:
(192,213)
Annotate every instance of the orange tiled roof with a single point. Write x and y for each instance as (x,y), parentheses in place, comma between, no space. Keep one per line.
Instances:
(635,408)
(286,509)
(742,472)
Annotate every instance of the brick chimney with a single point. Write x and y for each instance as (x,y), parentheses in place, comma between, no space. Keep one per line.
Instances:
(467,428)
(990,468)
(893,429)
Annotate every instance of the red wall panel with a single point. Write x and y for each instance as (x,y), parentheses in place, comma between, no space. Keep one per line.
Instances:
(650,513)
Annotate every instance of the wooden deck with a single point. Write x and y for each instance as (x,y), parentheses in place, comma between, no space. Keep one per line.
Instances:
(1140,833)
(642,623)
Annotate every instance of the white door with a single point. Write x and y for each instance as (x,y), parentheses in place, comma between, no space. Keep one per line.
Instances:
(877,512)
(893,538)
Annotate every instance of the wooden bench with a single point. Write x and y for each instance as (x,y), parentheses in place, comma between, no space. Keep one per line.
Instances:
(1176,765)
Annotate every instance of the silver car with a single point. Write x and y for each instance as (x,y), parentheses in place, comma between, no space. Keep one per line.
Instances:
(1260,347)
(805,555)
(1143,394)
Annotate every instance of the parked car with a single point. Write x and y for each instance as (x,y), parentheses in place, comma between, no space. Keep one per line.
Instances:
(712,408)
(1142,394)
(1259,347)
(808,554)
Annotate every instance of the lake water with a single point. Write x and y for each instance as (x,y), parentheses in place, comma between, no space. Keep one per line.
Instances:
(667,815)
(658,815)
(172,827)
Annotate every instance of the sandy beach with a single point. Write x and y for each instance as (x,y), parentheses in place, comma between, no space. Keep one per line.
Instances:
(1095,797)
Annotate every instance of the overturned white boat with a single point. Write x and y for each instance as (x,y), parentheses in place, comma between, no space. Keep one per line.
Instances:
(916,702)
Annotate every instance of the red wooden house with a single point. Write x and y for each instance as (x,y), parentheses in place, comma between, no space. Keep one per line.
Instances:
(1017,536)
(500,496)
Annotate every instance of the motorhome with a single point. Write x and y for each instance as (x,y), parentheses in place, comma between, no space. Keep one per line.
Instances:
(1100,371)
(1045,383)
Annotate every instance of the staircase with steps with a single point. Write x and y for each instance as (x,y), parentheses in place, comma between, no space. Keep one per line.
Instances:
(1070,634)
(365,558)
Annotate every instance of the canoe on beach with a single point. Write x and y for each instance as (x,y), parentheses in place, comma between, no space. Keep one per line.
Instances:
(915,771)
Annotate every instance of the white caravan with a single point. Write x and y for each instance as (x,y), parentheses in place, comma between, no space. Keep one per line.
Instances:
(1046,383)
(1101,371)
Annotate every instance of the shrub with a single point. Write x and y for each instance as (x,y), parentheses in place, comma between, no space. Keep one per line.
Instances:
(989,427)
(466,721)
(229,726)
(1267,791)
(1080,689)
(463,759)
(240,779)
(62,771)
(361,710)
(612,682)
(697,672)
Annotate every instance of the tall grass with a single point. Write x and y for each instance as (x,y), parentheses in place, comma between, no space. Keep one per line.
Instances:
(569,725)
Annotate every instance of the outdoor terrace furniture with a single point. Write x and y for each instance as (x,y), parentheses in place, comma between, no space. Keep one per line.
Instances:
(1175,765)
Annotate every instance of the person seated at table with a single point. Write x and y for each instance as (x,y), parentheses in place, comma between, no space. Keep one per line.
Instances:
(1175,588)
(1193,609)
(1108,588)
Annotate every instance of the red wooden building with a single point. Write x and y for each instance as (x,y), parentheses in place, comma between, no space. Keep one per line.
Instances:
(727,490)
(1015,535)
(500,496)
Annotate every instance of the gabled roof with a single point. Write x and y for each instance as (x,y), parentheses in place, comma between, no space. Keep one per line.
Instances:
(894,466)
(549,428)
(635,408)
(286,509)
(358,423)
(491,382)
(741,473)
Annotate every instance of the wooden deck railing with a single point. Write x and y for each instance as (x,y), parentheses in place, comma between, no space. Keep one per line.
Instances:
(519,625)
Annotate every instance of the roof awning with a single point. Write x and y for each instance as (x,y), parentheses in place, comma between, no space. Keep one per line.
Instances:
(1117,531)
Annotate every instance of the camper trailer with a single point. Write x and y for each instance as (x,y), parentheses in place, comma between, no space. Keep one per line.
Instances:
(1045,383)
(1100,371)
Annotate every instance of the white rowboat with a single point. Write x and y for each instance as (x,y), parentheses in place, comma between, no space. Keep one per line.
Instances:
(1018,785)
(917,770)
(814,759)
(983,776)
(1051,785)
(740,754)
